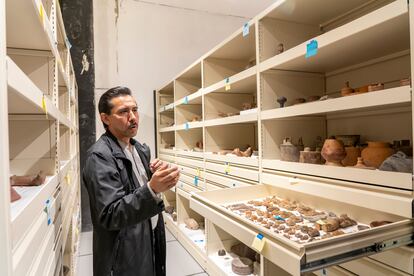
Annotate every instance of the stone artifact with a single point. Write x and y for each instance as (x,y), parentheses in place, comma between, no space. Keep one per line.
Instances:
(280,48)
(361,165)
(247,106)
(29,180)
(247,153)
(362,89)
(242,266)
(299,101)
(398,162)
(363,227)
(351,158)
(191,224)
(169,209)
(379,223)
(290,152)
(174,216)
(376,153)
(221,252)
(311,157)
(244,251)
(346,90)
(196,119)
(14,196)
(406,81)
(199,146)
(375,87)
(313,98)
(281,100)
(333,152)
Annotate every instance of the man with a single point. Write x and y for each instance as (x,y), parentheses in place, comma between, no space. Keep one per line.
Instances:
(124,187)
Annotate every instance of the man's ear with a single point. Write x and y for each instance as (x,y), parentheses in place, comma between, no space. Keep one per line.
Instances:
(104,118)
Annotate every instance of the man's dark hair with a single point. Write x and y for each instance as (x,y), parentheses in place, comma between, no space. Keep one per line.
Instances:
(105,105)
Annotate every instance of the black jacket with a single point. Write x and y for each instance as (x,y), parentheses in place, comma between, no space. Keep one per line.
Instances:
(121,210)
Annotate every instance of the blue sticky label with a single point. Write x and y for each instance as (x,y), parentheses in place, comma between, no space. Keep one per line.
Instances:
(196,180)
(227,80)
(185,100)
(246,28)
(187,126)
(49,219)
(259,236)
(324,272)
(311,48)
(279,218)
(68,43)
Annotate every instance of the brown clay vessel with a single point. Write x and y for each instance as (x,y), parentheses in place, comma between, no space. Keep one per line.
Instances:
(333,152)
(376,153)
(352,154)
(346,90)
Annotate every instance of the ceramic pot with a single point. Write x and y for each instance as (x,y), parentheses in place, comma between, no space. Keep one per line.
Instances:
(346,90)
(281,100)
(311,157)
(361,165)
(348,140)
(299,101)
(376,153)
(333,152)
(375,87)
(280,48)
(352,154)
(313,98)
(290,152)
(362,89)
(14,196)
(405,82)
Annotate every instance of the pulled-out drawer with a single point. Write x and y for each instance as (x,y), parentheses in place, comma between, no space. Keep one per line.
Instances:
(166,157)
(192,180)
(190,162)
(297,258)
(249,173)
(185,189)
(225,181)
(400,258)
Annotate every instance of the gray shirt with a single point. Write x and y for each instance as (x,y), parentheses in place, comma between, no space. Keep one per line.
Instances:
(140,173)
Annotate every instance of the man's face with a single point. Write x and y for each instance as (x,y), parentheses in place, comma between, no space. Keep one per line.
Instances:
(123,120)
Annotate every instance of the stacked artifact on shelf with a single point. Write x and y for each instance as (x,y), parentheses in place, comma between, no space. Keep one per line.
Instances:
(27,180)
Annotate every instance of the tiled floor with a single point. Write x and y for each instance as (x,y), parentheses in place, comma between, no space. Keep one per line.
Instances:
(179,261)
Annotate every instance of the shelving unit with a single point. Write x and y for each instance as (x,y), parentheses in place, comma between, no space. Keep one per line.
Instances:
(40,134)
(360,42)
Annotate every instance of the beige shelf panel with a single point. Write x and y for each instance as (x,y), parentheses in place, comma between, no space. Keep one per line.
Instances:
(230,136)
(189,180)
(187,112)
(42,254)
(393,97)
(167,158)
(166,139)
(249,173)
(400,258)
(183,189)
(226,181)
(361,40)
(245,161)
(190,162)
(24,26)
(188,83)
(366,266)
(195,98)
(187,139)
(190,154)
(293,22)
(237,119)
(216,103)
(376,177)
(243,82)
(167,129)
(193,172)
(38,67)
(292,257)
(167,151)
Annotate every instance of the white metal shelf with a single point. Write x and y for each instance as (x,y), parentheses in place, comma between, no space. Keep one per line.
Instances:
(195,98)
(366,101)
(246,161)
(396,180)
(25,29)
(33,201)
(189,125)
(238,119)
(379,33)
(167,129)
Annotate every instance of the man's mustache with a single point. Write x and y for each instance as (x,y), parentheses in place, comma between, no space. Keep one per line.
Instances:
(133,125)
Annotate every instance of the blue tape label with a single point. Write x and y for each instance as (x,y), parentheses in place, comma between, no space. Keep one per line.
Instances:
(311,48)
(186,100)
(246,29)
(187,126)
(196,180)
(259,236)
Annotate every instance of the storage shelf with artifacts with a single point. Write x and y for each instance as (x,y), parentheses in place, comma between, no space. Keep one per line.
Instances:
(42,132)
(234,56)
(191,231)
(337,69)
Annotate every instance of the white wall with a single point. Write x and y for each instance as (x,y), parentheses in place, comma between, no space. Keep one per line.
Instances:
(144,44)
